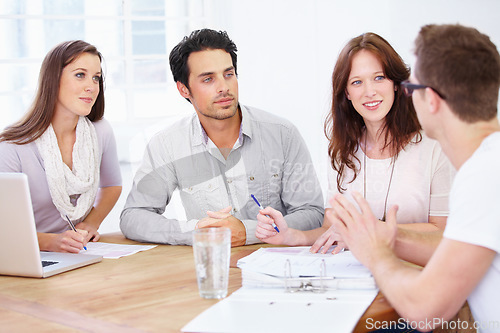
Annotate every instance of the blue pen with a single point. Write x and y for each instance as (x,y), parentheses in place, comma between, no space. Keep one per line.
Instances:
(73,227)
(260,206)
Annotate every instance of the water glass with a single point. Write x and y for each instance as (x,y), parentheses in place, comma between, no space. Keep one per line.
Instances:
(212,251)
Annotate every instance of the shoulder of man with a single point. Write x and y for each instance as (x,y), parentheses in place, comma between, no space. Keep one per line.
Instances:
(264,117)
(174,128)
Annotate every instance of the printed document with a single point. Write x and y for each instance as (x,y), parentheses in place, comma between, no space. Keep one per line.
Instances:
(114,251)
(274,261)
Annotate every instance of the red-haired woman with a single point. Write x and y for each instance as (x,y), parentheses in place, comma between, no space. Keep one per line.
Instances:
(376,148)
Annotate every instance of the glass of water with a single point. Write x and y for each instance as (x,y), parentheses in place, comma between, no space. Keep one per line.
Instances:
(212,251)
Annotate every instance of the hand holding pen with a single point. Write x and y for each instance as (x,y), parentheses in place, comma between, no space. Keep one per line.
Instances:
(73,227)
(260,206)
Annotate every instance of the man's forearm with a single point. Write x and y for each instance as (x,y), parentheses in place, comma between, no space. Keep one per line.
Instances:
(417,246)
(399,283)
(145,225)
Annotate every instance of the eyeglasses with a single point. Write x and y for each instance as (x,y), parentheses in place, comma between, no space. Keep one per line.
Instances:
(409,88)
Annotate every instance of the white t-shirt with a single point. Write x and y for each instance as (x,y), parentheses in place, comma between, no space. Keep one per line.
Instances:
(475,219)
(420,184)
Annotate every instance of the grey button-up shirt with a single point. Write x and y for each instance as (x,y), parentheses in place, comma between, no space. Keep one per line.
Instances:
(269,160)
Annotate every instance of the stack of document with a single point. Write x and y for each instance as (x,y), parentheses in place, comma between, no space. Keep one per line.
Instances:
(268,303)
(296,267)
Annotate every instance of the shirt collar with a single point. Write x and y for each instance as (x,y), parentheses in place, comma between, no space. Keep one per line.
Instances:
(198,133)
(246,123)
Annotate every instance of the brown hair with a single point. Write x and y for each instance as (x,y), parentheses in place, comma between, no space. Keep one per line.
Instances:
(462,64)
(39,116)
(199,40)
(344,126)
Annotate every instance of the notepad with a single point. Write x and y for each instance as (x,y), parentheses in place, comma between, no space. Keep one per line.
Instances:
(114,251)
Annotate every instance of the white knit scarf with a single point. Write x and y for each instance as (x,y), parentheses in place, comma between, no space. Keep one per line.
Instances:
(73,191)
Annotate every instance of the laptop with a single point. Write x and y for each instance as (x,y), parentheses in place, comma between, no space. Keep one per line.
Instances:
(20,254)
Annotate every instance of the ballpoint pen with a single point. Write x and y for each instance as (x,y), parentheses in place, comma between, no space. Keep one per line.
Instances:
(73,227)
(260,206)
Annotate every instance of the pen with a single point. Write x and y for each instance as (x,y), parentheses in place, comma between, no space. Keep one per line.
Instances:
(260,206)
(73,227)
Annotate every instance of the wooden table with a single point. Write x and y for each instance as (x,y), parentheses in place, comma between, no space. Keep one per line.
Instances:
(151,291)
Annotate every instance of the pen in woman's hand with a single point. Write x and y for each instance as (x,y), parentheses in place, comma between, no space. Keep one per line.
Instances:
(73,227)
(260,206)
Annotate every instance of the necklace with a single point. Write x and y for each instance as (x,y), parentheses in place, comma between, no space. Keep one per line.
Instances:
(364,181)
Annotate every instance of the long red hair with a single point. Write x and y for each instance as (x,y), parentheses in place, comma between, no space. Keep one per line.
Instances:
(344,126)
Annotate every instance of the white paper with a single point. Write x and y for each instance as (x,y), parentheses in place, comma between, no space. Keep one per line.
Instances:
(273,261)
(273,310)
(114,251)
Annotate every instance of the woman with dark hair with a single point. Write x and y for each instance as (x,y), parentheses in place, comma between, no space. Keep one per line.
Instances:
(376,148)
(66,148)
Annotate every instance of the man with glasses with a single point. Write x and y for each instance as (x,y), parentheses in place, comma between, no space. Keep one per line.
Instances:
(411,87)
(455,88)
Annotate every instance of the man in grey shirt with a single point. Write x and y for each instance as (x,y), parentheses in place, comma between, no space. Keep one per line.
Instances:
(219,156)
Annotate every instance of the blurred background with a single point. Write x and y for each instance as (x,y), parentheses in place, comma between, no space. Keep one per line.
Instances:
(286,53)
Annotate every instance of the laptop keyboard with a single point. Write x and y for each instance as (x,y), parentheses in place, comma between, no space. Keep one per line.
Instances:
(46,263)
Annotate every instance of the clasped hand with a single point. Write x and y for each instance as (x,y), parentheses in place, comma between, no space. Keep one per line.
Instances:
(223,218)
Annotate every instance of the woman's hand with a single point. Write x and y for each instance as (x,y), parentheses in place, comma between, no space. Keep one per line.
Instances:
(68,241)
(265,230)
(91,230)
(329,237)
(326,240)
